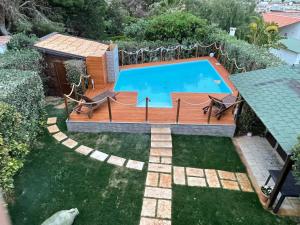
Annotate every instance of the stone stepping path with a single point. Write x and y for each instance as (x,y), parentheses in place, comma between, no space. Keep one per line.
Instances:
(157,201)
(197,177)
(87,151)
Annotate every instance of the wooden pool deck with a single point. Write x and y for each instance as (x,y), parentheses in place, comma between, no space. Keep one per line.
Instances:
(125,111)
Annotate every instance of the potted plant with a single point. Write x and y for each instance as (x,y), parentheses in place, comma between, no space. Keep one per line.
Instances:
(265,192)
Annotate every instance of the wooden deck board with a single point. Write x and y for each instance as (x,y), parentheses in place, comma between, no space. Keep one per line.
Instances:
(189,114)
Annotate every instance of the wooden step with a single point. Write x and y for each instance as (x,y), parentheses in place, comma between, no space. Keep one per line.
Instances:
(161,144)
(161,137)
(160,130)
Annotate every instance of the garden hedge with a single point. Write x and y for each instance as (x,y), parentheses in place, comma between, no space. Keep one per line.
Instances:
(24,91)
(25,59)
(13,146)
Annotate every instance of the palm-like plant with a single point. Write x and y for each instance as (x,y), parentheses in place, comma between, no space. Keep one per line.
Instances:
(263,34)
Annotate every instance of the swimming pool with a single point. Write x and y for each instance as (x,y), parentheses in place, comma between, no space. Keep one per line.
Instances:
(158,82)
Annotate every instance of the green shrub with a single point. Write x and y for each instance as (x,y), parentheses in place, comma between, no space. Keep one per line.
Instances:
(24,59)
(177,25)
(13,148)
(249,122)
(21,41)
(249,56)
(74,70)
(24,91)
(296,157)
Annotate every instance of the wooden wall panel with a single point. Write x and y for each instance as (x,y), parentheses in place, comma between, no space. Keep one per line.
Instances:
(96,68)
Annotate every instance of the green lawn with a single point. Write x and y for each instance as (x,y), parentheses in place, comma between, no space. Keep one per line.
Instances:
(206,152)
(209,206)
(55,178)
(133,146)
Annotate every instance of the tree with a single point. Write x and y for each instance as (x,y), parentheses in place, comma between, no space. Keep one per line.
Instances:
(166,6)
(82,17)
(24,15)
(177,26)
(263,34)
(225,13)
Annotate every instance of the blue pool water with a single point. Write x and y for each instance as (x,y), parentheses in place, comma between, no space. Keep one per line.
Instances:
(158,82)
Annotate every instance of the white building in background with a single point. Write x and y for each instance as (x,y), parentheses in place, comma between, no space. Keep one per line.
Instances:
(3,43)
(289,28)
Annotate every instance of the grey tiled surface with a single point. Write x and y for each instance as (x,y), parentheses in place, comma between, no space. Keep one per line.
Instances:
(112,58)
(212,130)
(260,157)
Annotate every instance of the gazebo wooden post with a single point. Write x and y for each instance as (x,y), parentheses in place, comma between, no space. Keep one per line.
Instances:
(109,109)
(209,111)
(280,181)
(178,110)
(142,57)
(196,53)
(146,116)
(161,54)
(122,57)
(66,106)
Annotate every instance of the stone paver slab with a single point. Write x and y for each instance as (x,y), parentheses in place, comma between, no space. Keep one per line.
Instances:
(165,180)
(161,144)
(161,137)
(152,179)
(166,160)
(164,209)
(246,186)
(154,159)
(51,120)
(84,150)
(244,182)
(230,185)
(70,143)
(136,165)
(155,192)
(194,172)
(150,221)
(60,136)
(242,177)
(161,152)
(225,175)
(149,207)
(158,130)
(53,129)
(156,167)
(196,181)
(212,178)
(116,160)
(101,156)
(178,175)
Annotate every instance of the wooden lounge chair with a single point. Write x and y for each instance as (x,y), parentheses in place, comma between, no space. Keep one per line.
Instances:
(220,106)
(93,103)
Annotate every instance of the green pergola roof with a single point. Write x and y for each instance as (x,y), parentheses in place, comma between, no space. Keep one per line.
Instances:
(274,95)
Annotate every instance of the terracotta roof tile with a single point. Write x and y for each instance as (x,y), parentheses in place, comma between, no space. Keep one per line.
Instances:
(281,19)
(72,45)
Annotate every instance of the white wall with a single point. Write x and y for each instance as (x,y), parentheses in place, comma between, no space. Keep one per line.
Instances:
(292,30)
(2,49)
(286,55)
